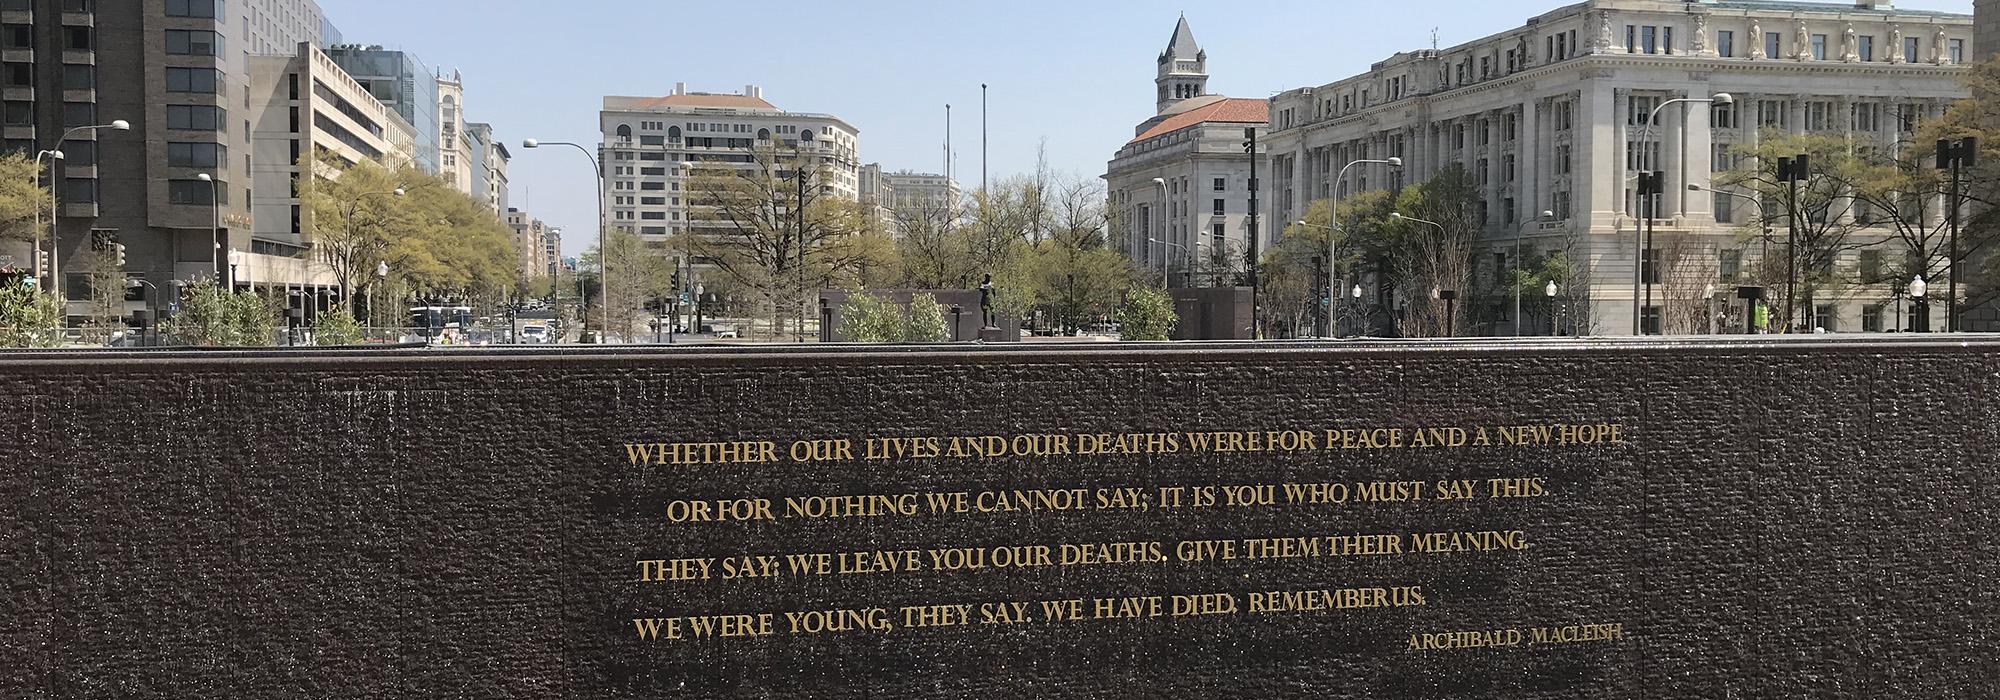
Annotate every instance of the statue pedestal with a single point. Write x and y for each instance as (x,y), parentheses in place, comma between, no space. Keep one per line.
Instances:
(990,334)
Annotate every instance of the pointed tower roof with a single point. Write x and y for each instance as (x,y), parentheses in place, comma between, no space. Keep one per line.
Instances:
(1182,46)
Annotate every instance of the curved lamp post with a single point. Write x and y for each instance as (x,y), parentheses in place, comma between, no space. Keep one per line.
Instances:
(603,253)
(1334,217)
(55,237)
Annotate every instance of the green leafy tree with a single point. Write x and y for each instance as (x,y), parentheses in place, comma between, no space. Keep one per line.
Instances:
(866,318)
(20,198)
(29,318)
(336,327)
(1148,314)
(212,316)
(927,321)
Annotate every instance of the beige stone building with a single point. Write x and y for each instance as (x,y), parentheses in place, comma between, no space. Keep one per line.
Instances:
(1184,178)
(1549,117)
(649,143)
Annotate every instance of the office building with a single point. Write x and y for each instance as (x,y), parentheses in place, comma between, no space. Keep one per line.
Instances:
(178,73)
(1550,116)
(650,142)
(1184,178)
(401,81)
(300,105)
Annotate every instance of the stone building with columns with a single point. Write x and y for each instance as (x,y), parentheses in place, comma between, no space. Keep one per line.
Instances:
(1549,117)
(1184,178)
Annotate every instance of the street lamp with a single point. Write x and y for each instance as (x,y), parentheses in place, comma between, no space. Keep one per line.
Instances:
(1163,255)
(1649,201)
(1920,306)
(1160,228)
(1332,239)
(603,253)
(214,228)
(1450,302)
(1551,291)
(55,230)
(381,277)
(1708,304)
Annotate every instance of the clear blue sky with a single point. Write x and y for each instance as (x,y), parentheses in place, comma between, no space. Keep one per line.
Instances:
(1077,73)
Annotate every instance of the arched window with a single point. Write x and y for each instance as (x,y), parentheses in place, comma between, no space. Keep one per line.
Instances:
(674,133)
(624,132)
(763,134)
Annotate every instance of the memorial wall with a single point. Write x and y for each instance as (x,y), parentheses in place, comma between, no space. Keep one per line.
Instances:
(1631,519)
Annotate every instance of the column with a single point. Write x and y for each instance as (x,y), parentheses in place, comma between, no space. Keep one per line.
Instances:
(1528,160)
(1599,165)
(1619,139)
(1699,145)
(1673,156)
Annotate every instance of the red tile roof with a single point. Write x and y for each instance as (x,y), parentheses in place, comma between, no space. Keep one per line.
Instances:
(700,99)
(1234,110)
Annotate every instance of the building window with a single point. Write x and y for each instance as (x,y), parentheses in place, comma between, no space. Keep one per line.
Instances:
(80,189)
(1631,38)
(1867,116)
(1221,184)
(1912,48)
(1819,115)
(1871,318)
(1725,44)
(1824,319)
(1728,263)
(1564,159)
(1773,43)
(192,80)
(1957,52)
(194,191)
(1867,48)
(1723,211)
(17,36)
(20,113)
(1772,113)
(196,155)
(79,76)
(1871,266)
(1219,208)
(1819,47)
(1722,116)
(77,38)
(1217,239)
(1639,109)
(1723,159)
(206,9)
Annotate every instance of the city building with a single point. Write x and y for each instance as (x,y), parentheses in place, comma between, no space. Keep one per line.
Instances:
(1550,117)
(401,81)
(535,244)
(177,73)
(455,158)
(875,195)
(907,188)
(489,171)
(1986,18)
(300,105)
(1184,178)
(648,143)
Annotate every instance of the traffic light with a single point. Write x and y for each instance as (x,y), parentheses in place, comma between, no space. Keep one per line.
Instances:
(120,248)
(42,260)
(677,280)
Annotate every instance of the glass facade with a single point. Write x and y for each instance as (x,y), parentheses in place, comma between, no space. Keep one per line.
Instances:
(403,83)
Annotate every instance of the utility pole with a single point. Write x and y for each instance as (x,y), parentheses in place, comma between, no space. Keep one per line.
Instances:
(1792,171)
(1651,186)
(982,139)
(1250,146)
(1955,155)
